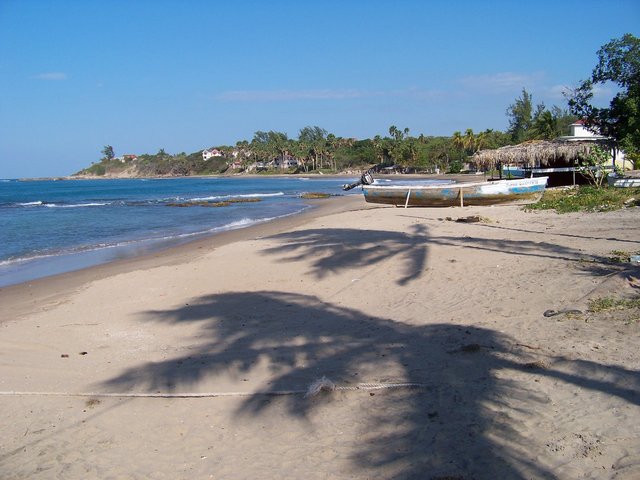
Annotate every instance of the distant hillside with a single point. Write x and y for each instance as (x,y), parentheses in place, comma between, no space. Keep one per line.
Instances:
(159,165)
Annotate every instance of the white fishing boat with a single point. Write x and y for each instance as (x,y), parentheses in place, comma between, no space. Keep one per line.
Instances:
(499,192)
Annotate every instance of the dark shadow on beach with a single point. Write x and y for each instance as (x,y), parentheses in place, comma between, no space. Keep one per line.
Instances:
(458,425)
(448,428)
(334,249)
(556,234)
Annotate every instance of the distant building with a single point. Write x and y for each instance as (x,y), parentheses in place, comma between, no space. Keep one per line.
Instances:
(211,152)
(257,167)
(285,161)
(128,157)
(240,152)
(580,133)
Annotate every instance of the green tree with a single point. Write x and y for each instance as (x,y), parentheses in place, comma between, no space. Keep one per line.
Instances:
(592,166)
(564,119)
(107,153)
(315,138)
(618,62)
(458,142)
(398,143)
(261,147)
(545,125)
(520,115)
(469,140)
(278,143)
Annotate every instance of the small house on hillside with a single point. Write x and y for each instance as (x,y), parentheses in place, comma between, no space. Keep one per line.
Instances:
(235,165)
(211,152)
(127,157)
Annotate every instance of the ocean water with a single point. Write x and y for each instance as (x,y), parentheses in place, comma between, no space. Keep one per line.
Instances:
(49,227)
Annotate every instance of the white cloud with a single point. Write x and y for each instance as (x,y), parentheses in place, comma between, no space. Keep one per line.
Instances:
(414,93)
(558,92)
(55,76)
(605,91)
(501,81)
(285,95)
(601,92)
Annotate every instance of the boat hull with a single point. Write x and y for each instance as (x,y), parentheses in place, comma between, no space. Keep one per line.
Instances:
(502,192)
(624,182)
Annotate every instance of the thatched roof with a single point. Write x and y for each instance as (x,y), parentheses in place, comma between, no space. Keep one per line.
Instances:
(536,152)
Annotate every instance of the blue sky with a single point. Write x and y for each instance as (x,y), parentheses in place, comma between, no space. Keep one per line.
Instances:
(184,75)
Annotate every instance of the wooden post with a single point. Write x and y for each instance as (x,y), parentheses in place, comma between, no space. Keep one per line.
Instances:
(461,198)
(406,203)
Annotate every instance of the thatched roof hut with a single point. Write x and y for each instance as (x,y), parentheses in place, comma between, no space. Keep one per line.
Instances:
(535,153)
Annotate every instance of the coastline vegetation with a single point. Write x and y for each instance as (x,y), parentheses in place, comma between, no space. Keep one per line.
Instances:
(315,150)
(610,303)
(620,256)
(587,198)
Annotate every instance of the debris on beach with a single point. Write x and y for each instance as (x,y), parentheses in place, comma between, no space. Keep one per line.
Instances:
(538,364)
(92,402)
(473,219)
(321,385)
(569,311)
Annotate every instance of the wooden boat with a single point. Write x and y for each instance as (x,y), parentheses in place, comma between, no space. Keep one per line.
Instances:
(514,192)
(623,182)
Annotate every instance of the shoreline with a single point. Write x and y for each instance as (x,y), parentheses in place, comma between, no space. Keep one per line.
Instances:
(14,297)
(30,269)
(460,177)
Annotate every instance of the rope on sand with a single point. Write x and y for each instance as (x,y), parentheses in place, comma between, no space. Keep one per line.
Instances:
(321,385)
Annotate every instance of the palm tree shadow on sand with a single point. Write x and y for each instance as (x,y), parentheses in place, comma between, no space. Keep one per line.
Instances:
(334,249)
(449,429)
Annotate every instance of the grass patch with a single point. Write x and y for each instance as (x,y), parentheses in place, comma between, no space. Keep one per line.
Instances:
(587,198)
(605,304)
(620,256)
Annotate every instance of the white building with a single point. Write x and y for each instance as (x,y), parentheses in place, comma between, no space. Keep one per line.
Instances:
(211,152)
(286,161)
(579,132)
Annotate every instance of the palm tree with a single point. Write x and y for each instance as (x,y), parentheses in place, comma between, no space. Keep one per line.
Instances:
(545,126)
(315,137)
(302,151)
(278,144)
(469,140)
(378,148)
(481,140)
(458,142)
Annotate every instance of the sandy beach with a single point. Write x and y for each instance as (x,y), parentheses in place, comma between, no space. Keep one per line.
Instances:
(194,362)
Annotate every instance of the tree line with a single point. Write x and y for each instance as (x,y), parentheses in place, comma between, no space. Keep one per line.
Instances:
(315,149)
